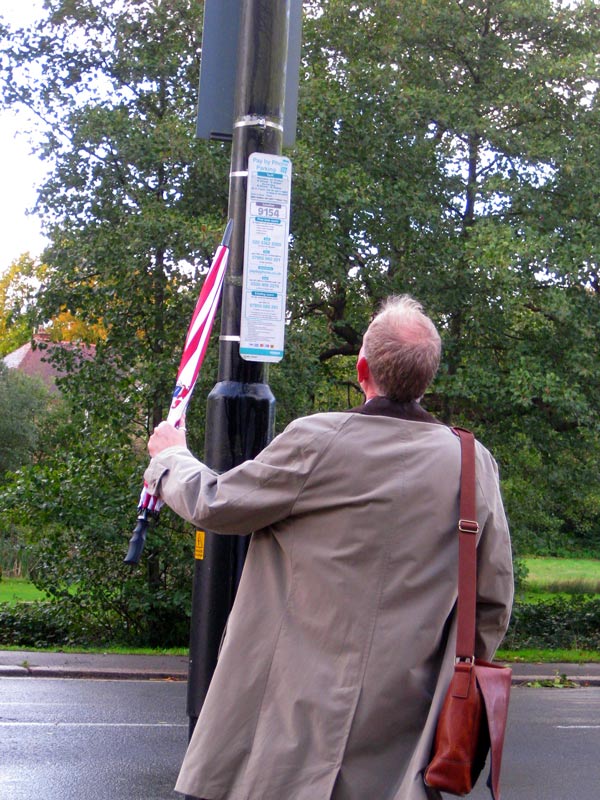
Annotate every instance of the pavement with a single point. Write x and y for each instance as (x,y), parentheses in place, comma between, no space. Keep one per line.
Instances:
(109,666)
(102,666)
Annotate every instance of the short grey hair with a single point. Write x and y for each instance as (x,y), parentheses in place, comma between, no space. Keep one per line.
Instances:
(402,348)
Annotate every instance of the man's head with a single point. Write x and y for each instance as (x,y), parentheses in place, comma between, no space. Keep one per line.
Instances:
(401,351)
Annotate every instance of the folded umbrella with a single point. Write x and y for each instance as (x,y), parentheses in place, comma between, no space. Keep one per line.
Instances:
(194,350)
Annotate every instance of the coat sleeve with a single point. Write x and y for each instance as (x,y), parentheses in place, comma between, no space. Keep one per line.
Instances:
(248,497)
(495,585)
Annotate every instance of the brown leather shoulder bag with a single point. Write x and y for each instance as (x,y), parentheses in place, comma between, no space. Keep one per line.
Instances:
(475,710)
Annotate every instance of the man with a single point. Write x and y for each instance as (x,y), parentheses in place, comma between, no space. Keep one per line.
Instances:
(340,643)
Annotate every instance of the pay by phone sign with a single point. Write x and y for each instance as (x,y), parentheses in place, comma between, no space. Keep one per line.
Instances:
(265,257)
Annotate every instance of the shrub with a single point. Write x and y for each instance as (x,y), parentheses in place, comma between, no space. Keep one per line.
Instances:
(33,625)
(72,510)
(569,623)
(70,621)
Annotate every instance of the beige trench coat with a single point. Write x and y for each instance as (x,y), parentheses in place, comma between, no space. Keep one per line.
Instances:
(340,643)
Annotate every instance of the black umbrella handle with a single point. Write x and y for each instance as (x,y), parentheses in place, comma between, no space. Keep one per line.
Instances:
(138,538)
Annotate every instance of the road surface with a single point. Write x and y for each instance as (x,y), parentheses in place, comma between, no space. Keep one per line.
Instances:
(124,740)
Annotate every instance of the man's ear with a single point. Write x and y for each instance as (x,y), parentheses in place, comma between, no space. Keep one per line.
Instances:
(362,369)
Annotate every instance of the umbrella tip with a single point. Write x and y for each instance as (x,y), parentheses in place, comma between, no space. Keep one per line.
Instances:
(227,235)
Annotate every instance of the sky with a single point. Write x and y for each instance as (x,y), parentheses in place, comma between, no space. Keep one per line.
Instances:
(21,171)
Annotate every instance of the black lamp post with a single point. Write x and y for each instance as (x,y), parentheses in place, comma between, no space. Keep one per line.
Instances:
(241,407)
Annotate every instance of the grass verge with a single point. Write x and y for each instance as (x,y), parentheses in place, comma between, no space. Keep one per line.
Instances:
(549,656)
(562,575)
(510,656)
(126,651)
(15,590)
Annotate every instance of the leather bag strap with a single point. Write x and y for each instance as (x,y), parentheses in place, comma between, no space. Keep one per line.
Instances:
(468,528)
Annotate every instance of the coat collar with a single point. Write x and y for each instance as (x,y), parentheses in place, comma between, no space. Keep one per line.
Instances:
(383,407)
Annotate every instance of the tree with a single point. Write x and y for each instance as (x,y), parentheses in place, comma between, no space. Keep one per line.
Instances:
(68,509)
(431,122)
(19,310)
(23,401)
(135,205)
(445,148)
(18,287)
(439,144)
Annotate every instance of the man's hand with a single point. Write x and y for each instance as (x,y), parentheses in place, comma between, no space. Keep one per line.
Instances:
(166,435)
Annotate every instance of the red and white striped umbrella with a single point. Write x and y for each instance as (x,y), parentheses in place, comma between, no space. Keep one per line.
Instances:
(194,351)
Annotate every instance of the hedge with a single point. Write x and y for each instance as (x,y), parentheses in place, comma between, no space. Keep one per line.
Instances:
(561,623)
(37,624)
(569,623)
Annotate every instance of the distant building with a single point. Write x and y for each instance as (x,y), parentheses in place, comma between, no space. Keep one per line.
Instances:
(33,358)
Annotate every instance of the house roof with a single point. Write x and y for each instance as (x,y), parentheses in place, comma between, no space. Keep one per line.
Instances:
(33,358)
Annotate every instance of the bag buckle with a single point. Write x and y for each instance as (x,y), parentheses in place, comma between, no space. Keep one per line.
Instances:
(468,526)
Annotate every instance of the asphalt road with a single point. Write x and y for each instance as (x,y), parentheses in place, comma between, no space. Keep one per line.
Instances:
(552,745)
(124,740)
(90,740)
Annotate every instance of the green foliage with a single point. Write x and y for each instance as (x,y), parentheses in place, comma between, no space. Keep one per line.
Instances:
(520,573)
(436,149)
(559,623)
(32,625)
(556,607)
(18,285)
(448,150)
(74,508)
(134,208)
(23,401)
(133,197)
